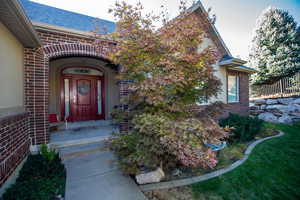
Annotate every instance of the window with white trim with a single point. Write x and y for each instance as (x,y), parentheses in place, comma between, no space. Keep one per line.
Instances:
(233,88)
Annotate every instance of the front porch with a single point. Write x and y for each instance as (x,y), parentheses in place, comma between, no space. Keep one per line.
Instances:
(65,134)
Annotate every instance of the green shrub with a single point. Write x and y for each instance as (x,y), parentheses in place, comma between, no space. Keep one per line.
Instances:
(268,129)
(41,178)
(230,154)
(245,127)
(48,153)
(297,124)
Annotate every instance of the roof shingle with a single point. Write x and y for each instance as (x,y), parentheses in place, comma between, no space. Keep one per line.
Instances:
(59,17)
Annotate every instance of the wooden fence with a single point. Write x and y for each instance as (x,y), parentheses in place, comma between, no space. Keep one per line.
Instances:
(285,87)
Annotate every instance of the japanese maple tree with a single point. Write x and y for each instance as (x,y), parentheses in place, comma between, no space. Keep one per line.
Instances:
(168,75)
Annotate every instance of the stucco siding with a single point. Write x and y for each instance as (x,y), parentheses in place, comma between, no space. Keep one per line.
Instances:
(11,71)
(220,72)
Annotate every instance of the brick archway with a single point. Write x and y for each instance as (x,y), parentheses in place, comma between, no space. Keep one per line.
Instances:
(37,81)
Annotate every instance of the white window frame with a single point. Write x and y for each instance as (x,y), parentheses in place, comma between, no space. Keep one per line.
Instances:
(237,79)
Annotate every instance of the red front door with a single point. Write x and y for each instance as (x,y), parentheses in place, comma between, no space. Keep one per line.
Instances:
(86,98)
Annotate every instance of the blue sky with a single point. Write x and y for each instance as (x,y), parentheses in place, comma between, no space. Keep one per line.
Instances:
(235,18)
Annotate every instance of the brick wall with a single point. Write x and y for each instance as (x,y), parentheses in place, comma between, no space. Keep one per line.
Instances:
(14,143)
(241,107)
(55,45)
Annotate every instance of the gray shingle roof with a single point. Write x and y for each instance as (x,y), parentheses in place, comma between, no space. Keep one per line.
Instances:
(59,17)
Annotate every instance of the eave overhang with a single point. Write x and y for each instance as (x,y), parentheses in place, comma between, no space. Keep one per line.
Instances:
(14,18)
(39,26)
(236,64)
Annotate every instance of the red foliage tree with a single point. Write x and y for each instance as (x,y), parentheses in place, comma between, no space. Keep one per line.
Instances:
(169,75)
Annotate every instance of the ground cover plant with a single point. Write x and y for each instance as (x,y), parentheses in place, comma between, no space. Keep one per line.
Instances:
(42,177)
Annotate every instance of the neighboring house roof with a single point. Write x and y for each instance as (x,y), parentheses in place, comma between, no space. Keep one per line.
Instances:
(13,17)
(63,18)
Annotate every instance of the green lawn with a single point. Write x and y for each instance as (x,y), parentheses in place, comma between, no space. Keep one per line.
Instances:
(271,172)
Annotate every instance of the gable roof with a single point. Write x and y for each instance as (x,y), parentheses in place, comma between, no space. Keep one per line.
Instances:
(67,19)
(13,17)
(199,9)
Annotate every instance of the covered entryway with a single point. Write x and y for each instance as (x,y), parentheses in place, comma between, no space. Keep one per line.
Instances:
(82,89)
(82,94)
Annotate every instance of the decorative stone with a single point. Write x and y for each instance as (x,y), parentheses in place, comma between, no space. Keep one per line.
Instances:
(259,101)
(254,108)
(150,177)
(268,117)
(285,119)
(279,107)
(256,112)
(285,101)
(271,101)
(296,101)
(263,107)
(294,108)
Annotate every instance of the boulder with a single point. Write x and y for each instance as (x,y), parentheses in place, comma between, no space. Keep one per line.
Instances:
(296,101)
(254,107)
(285,119)
(272,101)
(268,117)
(259,101)
(294,108)
(150,177)
(263,107)
(279,107)
(255,112)
(285,101)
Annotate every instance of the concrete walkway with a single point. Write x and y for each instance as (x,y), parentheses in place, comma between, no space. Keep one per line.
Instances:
(95,176)
(92,172)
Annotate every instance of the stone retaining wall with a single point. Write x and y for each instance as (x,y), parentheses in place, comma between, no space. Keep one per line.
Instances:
(279,110)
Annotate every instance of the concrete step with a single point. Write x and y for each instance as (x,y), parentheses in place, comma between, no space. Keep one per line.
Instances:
(78,141)
(62,126)
(80,150)
(79,125)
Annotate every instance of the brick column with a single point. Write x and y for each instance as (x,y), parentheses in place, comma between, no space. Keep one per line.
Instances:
(37,94)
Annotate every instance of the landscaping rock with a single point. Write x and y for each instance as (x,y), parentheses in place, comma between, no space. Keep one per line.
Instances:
(296,101)
(285,119)
(280,110)
(254,108)
(278,107)
(150,177)
(256,112)
(293,108)
(263,107)
(268,117)
(259,101)
(272,101)
(285,101)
